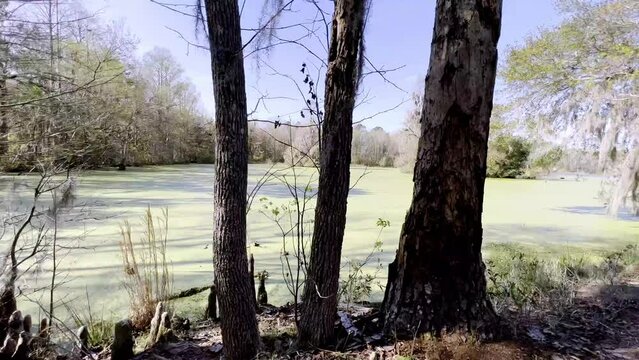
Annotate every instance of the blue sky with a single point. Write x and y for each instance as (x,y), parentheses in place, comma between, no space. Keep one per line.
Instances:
(398,35)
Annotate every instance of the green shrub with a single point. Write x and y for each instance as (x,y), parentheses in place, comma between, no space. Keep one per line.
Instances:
(358,283)
(547,160)
(523,278)
(507,156)
(616,262)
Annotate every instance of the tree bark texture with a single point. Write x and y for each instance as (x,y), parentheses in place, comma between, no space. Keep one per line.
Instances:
(211,304)
(7,306)
(319,305)
(4,120)
(437,281)
(240,333)
(4,93)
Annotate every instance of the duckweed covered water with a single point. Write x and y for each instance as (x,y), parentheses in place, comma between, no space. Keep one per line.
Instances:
(548,214)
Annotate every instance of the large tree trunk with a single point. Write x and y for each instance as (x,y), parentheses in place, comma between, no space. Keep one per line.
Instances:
(7,305)
(123,156)
(437,279)
(4,120)
(319,305)
(4,92)
(4,74)
(240,333)
(8,302)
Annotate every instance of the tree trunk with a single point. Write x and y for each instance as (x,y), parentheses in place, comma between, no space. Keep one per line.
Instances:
(4,120)
(123,156)
(608,142)
(240,333)
(7,306)
(4,92)
(437,279)
(319,305)
(626,183)
(635,196)
(8,303)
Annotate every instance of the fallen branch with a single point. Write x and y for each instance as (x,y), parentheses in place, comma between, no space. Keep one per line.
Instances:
(188,292)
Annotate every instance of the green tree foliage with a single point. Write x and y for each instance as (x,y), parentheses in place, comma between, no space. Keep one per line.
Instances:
(267,144)
(576,55)
(73,94)
(545,160)
(580,82)
(507,156)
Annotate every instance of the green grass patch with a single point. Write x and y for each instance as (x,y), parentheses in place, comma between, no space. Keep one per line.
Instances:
(526,277)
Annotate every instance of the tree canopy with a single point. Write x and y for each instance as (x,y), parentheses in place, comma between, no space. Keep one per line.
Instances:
(71,91)
(581,80)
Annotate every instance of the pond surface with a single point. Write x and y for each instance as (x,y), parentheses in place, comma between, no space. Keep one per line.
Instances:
(544,213)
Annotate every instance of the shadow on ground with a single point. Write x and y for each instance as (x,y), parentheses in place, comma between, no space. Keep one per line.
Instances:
(625,214)
(601,323)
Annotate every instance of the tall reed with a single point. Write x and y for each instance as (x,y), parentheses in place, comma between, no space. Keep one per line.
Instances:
(148,275)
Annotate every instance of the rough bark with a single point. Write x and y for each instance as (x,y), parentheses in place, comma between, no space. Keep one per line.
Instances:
(211,305)
(7,306)
(319,305)
(4,60)
(437,279)
(4,120)
(240,333)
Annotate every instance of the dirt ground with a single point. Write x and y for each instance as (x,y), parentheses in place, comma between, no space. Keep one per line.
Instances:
(602,323)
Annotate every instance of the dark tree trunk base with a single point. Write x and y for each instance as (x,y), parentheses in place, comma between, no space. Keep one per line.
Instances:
(7,306)
(441,307)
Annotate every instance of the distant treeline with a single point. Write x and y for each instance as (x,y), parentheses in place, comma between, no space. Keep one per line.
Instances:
(72,92)
(374,147)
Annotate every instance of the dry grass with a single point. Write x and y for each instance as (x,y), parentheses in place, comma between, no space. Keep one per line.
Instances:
(460,347)
(147,272)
